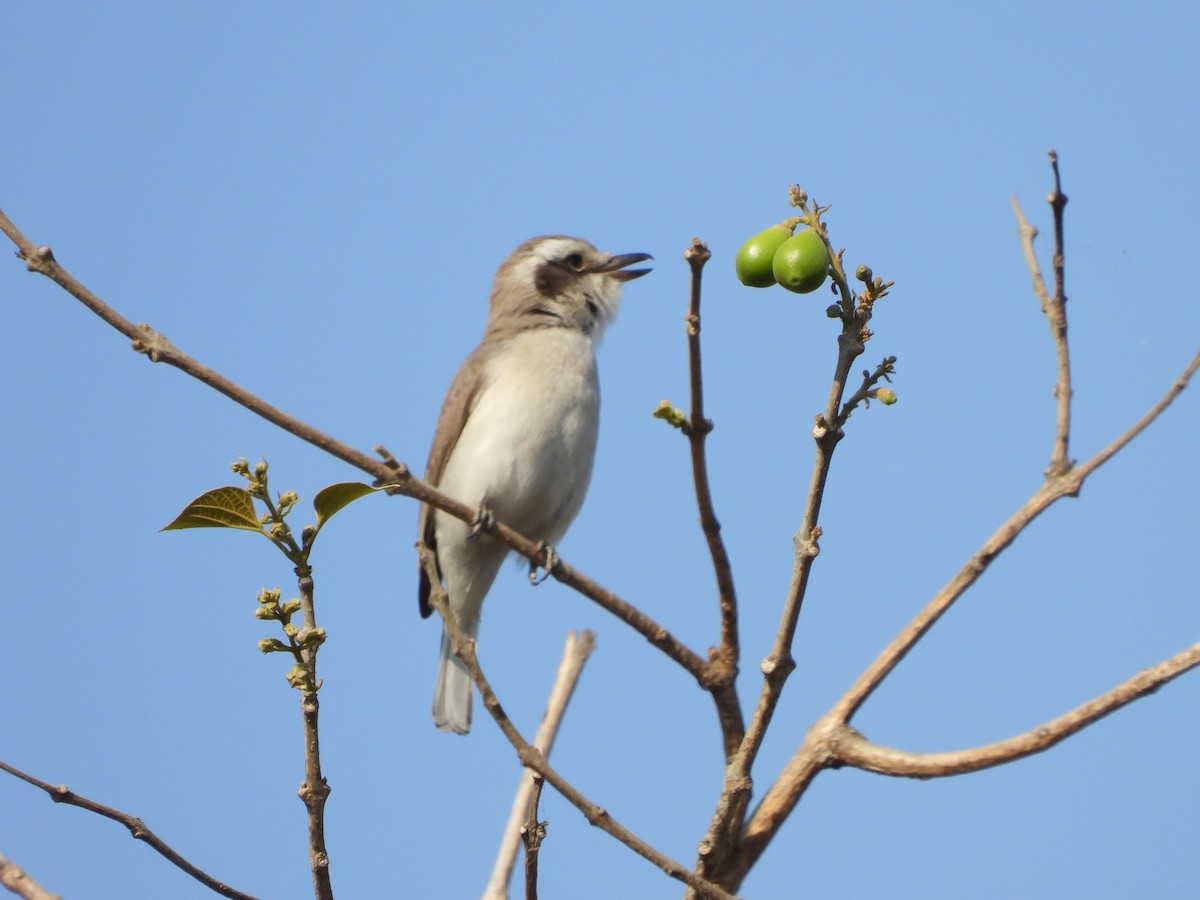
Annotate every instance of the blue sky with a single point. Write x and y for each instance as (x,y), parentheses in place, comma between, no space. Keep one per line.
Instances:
(313,200)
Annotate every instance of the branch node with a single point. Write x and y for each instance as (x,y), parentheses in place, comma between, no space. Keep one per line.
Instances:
(150,343)
(697,254)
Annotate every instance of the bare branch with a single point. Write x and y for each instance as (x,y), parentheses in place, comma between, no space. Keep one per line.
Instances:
(1087,468)
(16,880)
(1055,309)
(724,662)
(575,654)
(851,748)
(137,828)
(532,758)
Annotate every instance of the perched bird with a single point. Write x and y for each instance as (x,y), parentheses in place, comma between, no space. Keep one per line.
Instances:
(517,432)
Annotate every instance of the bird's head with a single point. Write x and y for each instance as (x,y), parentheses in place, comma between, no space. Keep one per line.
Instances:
(560,282)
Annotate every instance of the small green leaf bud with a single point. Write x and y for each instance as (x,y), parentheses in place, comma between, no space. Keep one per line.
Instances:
(271,645)
(291,631)
(260,469)
(266,613)
(298,677)
(292,606)
(863,274)
(313,638)
(886,396)
(672,416)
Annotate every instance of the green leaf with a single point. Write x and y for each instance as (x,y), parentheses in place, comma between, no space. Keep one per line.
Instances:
(225,507)
(332,499)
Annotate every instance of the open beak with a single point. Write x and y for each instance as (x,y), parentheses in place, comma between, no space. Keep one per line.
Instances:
(616,266)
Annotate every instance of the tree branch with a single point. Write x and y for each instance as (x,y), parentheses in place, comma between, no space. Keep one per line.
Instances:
(849,747)
(533,833)
(532,758)
(16,880)
(723,663)
(315,789)
(575,653)
(1055,310)
(137,828)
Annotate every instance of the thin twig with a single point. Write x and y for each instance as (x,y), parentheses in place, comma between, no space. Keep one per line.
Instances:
(158,349)
(137,828)
(18,881)
(575,653)
(532,758)
(1055,310)
(724,662)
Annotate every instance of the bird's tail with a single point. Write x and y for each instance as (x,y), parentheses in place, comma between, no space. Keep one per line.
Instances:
(452,696)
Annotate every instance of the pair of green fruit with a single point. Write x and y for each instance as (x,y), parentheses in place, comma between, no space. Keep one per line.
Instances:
(798,262)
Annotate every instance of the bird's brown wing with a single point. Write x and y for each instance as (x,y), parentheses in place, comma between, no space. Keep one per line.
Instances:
(456,409)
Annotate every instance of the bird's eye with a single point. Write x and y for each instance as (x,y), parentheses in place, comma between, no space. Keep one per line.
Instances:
(575,261)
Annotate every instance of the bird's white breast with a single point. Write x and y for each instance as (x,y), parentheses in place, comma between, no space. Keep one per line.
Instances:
(527,447)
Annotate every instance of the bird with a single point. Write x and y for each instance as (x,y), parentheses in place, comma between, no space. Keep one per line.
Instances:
(516,435)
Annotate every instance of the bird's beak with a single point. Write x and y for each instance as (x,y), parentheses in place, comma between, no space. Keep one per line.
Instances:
(615,266)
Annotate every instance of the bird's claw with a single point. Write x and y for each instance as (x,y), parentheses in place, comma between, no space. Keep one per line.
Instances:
(483,521)
(551,556)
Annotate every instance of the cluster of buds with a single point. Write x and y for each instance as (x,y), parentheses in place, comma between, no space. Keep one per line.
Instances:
(256,485)
(299,640)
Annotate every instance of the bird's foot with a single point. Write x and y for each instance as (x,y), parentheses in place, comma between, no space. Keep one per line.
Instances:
(551,557)
(483,521)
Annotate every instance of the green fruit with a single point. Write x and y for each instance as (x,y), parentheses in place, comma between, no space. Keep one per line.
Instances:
(753,261)
(801,262)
